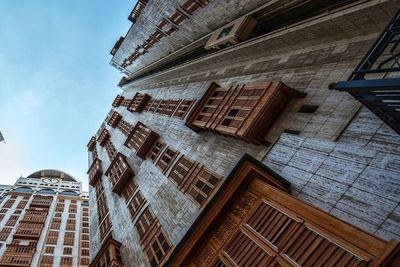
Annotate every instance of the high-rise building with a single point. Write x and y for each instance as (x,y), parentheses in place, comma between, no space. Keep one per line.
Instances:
(44,221)
(239,139)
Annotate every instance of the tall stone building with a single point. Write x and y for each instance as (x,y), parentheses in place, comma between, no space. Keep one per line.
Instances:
(44,221)
(240,140)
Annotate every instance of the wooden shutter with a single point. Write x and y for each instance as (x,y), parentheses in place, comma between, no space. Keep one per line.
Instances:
(183,108)
(136,204)
(166,159)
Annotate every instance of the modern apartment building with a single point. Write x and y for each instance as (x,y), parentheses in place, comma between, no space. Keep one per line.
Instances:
(251,133)
(44,221)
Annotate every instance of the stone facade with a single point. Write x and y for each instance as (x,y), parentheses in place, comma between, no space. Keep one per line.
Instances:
(341,159)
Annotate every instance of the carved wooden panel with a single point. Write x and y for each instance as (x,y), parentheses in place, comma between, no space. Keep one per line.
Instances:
(260,225)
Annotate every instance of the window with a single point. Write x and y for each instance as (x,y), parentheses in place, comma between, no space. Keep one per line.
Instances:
(167,107)
(51,240)
(69,238)
(141,139)
(3,210)
(12,220)
(114,119)
(67,251)
(85,244)
(125,127)
(105,226)
(156,150)
(49,249)
(166,159)
(242,111)
(119,173)
(22,204)
(85,252)
(158,247)
(53,233)
(181,171)
(84,261)
(71,215)
(70,227)
(138,102)
(203,185)
(103,137)
(130,188)
(183,108)
(144,222)
(110,148)
(136,204)
(46,261)
(85,237)
(4,233)
(85,230)
(9,203)
(66,261)
(117,101)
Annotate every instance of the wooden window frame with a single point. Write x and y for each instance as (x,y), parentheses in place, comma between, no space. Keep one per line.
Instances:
(141,139)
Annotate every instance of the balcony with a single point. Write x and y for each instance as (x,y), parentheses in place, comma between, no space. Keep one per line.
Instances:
(114,119)
(95,171)
(41,202)
(92,143)
(141,139)
(117,101)
(119,173)
(375,81)
(18,255)
(109,254)
(27,234)
(103,137)
(138,102)
(117,46)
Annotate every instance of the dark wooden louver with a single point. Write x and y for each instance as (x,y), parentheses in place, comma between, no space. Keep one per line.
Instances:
(242,111)
(138,102)
(253,221)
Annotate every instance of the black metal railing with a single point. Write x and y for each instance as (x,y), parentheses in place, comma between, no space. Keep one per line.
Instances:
(376,80)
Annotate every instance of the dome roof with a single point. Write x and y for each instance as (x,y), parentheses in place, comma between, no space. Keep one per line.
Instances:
(49,173)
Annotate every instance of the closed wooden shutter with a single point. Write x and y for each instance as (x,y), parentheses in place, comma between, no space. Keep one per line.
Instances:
(136,204)
(166,159)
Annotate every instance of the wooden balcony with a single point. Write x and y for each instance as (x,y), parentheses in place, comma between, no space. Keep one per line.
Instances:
(138,102)
(114,119)
(109,254)
(28,234)
(92,143)
(245,111)
(117,45)
(103,137)
(119,173)
(41,202)
(18,255)
(141,139)
(95,171)
(117,101)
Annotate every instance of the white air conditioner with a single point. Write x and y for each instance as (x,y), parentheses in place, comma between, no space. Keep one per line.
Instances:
(232,33)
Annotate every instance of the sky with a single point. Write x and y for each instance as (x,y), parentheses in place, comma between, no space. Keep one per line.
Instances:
(56,84)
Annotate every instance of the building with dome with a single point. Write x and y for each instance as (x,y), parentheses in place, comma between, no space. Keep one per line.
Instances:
(44,221)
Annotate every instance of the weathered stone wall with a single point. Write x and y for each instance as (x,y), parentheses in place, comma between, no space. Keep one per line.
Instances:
(356,179)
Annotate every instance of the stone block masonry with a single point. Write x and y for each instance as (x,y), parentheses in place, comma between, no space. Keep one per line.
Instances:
(358,182)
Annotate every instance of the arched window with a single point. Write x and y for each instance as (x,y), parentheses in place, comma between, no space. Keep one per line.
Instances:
(69,193)
(46,191)
(85,203)
(23,189)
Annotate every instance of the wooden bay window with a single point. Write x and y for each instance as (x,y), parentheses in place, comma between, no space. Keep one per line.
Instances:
(119,173)
(138,102)
(108,255)
(117,101)
(141,139)
(104,136)
(95,171)
(114,119)
(245,111)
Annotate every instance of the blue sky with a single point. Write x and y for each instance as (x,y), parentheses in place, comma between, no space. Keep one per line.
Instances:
(56,84)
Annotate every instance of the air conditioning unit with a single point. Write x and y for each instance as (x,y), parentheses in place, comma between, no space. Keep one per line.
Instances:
(234,32)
